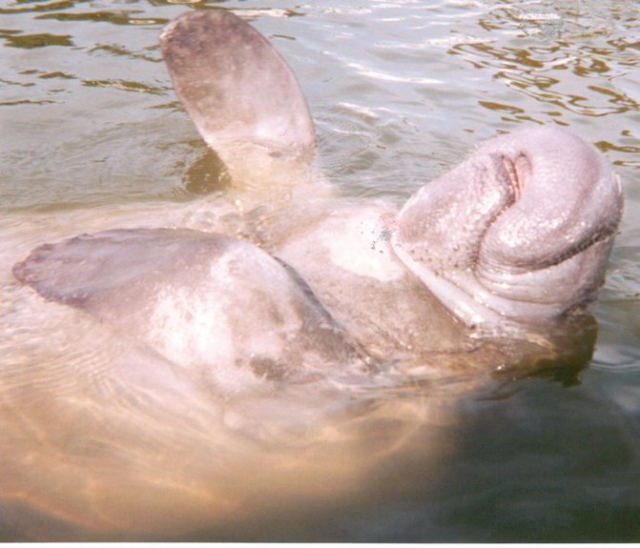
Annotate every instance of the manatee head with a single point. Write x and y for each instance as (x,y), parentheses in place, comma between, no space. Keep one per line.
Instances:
(522,230)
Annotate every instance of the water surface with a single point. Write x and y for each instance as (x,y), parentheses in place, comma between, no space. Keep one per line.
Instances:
(93,136)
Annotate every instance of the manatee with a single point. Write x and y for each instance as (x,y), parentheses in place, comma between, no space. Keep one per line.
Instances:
(272,365)
(505,246)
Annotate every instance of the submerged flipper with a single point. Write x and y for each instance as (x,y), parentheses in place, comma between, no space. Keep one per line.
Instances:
(241,95)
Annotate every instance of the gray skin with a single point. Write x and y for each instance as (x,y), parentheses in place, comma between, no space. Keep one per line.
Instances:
(507,244)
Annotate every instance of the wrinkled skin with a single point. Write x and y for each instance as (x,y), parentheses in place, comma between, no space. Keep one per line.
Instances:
(540,210)
(173,372)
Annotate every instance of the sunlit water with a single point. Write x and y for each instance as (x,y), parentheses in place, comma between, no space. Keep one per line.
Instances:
(93,137)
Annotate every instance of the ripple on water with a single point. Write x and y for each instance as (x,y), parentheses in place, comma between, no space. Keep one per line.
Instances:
(102,438)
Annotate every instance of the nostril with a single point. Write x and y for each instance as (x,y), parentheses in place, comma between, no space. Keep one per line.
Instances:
(519,171)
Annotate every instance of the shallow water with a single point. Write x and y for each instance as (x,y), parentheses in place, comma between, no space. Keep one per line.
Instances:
(93,136)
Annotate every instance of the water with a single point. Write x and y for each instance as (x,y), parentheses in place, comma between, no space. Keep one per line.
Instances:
(92,136)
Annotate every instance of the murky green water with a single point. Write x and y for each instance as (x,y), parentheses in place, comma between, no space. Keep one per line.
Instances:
(93,136)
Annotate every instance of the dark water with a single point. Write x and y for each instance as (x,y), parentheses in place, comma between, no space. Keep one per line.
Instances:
(400,91)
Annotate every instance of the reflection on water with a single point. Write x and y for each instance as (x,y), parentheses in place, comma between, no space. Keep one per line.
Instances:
(102,439)
(538,71)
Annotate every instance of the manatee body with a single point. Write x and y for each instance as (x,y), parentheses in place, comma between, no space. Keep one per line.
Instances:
(512,239)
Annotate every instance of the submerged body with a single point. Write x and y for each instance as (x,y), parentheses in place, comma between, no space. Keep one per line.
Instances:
(288,323)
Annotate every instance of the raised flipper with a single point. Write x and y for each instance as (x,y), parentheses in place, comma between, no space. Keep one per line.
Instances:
(215,304)
(242,97)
